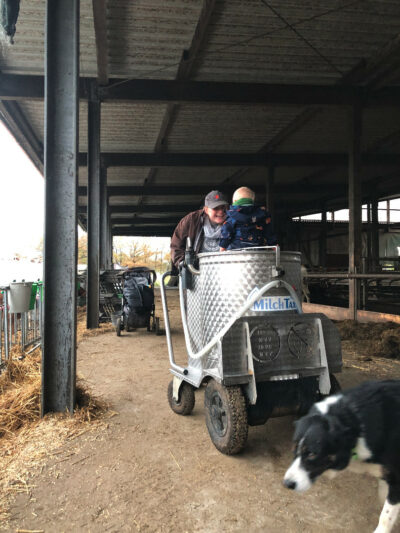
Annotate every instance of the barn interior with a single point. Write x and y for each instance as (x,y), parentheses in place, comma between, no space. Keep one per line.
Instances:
(133,111)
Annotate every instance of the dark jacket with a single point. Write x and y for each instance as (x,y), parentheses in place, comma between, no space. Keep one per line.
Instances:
(190,226)
(247,226)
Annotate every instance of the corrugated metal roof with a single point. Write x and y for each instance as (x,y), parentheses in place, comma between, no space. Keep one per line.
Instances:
(269,41)
(146,37)
(294,42)
(26,55)
(228,128)
(130,127)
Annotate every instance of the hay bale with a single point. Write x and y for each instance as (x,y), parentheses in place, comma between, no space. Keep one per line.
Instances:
(388,345)
(20,388)
(352,330)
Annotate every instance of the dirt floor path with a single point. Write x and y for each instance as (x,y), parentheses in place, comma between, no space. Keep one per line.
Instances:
(147,469)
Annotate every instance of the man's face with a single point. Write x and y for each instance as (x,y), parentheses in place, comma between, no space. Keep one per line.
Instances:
(216,214)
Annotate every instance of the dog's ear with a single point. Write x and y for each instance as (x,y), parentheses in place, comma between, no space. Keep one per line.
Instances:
(302,425)
(339,443)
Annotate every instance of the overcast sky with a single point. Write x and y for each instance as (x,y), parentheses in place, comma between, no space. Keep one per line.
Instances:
(21,199)
(22,202)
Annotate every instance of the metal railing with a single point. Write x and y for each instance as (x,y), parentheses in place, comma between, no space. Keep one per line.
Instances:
(20,329)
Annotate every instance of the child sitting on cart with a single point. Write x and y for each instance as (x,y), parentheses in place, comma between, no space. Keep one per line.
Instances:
(246,225)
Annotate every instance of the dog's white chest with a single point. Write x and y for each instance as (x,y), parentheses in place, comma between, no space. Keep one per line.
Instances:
(362,450)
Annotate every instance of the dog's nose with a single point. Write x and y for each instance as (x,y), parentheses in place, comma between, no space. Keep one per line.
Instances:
(289,484)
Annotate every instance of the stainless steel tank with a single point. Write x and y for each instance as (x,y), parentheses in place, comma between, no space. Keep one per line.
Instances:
(228,279)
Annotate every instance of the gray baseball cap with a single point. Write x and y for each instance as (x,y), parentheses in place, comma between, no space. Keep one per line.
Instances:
(215,199)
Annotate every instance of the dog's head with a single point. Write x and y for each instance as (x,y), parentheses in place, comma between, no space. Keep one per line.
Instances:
(320,443)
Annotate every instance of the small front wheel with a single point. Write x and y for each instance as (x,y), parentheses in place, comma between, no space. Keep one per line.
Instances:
(335,387)
(118,327)
(186,399)
(226,417)
(159,331)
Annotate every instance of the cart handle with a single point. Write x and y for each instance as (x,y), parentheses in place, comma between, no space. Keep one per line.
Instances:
(278,271)
(174,366)
(245,307)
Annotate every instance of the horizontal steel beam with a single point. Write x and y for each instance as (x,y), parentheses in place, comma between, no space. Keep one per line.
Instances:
(179,91)
(187,190)
(146,227)
(27,87)
(20,87)
(145,220)
(178,209)
(140,232)
(235,159)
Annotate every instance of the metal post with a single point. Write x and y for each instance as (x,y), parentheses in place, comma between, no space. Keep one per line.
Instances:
(375,235)
(5,304)
(110,238)
(93,210)
(269,191)
(104,263)
(61,171)
(354,206)
(322,240)
(369,239)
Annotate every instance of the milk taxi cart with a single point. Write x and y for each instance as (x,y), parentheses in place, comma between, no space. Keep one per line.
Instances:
(248,341)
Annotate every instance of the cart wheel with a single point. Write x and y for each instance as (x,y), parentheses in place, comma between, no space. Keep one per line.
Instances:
(157,328)
(335,387)
(226,417)
(118,327)
(186,401)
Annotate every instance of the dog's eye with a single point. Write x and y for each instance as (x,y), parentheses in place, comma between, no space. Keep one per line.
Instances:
(311,456)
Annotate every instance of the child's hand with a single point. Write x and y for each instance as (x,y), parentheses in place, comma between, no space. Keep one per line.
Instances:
(222,249)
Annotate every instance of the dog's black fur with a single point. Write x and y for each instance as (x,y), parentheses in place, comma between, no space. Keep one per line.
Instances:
(365,420)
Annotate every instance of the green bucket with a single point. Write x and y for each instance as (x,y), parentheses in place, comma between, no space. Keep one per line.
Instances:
(33,296)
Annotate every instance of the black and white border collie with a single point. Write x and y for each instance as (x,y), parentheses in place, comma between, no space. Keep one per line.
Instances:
(362,423)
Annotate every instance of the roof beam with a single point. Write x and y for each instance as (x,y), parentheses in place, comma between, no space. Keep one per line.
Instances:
(145,220)
(184,70)
(138,232)
(100,30)
(167,227)
(234,159)
(377,70)
(180,91)
(22,87)
(126,209)
(389,56)
(202,190)
(26,87)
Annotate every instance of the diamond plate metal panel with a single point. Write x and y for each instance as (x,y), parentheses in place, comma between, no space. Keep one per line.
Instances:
(227,279)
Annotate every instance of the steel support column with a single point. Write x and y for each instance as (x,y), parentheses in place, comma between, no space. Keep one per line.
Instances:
(322,240)
(110,237)
(60,239)
(104,250)
(94,211)
(355,223)
(374,235)
(269,191)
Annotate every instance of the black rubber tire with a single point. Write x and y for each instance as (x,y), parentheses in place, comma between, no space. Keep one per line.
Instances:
(335,385)
(186,401)
(118,327)
(157,328)
(226,417)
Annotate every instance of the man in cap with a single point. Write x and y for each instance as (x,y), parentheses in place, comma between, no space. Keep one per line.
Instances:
(202,226)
